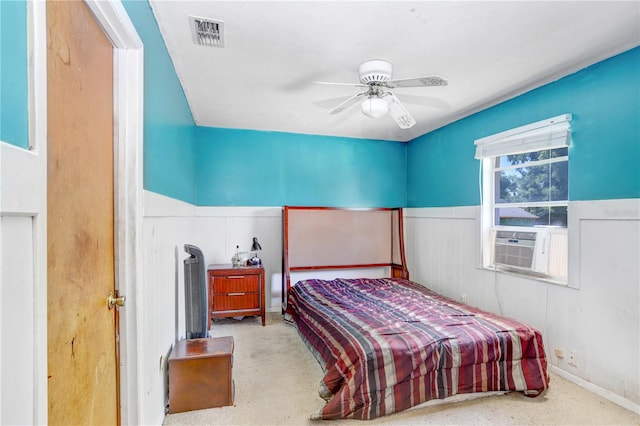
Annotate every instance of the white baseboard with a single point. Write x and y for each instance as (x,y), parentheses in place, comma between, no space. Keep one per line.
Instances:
(608,395)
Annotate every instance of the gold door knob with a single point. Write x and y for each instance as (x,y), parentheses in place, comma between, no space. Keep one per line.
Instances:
(115,301)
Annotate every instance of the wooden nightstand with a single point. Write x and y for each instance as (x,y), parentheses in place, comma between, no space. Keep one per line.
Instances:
(235,291)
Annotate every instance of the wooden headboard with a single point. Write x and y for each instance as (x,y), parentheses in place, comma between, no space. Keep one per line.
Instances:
(316,238)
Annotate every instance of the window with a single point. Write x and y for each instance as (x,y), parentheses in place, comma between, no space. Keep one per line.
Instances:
(531,189)
(525,198)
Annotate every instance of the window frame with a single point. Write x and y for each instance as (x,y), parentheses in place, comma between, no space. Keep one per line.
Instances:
(507,143)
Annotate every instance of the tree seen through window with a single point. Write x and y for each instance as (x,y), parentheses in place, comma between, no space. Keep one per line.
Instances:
(533,177)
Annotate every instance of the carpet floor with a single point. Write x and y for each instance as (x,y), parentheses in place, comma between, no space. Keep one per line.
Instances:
(276,383)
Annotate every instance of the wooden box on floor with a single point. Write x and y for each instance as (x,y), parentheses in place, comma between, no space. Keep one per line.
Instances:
(200,374)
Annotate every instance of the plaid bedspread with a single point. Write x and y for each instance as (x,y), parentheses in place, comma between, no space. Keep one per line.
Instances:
(389,344)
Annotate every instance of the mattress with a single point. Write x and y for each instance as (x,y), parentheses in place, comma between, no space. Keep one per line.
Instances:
(388,344)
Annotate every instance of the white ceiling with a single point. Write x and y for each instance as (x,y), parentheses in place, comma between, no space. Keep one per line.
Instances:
(489,51)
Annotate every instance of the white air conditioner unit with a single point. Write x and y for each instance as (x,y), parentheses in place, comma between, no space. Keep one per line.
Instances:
(522,249)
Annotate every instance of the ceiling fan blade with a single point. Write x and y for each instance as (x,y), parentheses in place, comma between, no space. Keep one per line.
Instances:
(430,80)
(346,104)
(341,84)
(398,112)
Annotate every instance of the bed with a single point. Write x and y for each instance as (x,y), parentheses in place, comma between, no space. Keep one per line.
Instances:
(386,343)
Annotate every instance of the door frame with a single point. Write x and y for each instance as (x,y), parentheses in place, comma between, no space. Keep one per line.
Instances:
(128,185)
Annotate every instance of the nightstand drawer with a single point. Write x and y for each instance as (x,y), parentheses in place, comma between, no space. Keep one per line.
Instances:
(236,284)
(235,301)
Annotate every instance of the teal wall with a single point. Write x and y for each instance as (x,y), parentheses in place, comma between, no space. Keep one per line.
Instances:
(604,157)
(207,166)
(14,86)
(254,168)
(169,129)
(225,167)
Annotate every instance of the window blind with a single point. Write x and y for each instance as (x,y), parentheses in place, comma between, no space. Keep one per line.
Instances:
(546,134)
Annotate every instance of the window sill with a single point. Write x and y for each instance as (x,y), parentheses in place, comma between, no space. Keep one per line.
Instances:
(528,276)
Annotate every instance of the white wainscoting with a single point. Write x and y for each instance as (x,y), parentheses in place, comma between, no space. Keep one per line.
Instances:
(17,321)
(168,225)
(221,229)
(23,287)
(597,315)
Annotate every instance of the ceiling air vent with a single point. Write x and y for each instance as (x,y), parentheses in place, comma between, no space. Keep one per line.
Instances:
(207,32)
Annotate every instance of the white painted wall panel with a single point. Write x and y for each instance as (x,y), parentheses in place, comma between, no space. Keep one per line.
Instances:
(17,324)
(168,224)
(218,236)
(597,314)
(600,321)
(161,310)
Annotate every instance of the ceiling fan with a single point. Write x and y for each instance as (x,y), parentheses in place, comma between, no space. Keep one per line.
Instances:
(375,75)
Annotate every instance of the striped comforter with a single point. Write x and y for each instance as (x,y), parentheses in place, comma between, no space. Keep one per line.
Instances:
(390,344)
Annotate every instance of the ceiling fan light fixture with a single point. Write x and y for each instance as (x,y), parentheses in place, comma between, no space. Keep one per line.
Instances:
(375,107)
(375,77)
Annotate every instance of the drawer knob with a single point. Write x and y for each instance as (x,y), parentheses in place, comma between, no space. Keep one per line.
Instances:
(235,294)
(233,277)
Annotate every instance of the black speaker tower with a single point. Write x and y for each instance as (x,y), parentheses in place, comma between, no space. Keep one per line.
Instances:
(195,293)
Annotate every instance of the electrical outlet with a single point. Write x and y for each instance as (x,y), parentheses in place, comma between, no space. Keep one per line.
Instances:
(463,298)
(573,358)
